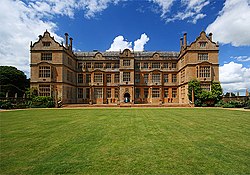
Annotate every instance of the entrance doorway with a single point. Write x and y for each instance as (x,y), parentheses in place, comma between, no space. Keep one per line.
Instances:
(126,97)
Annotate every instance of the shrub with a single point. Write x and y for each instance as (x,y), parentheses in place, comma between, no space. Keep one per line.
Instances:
(6,105)
(234,104)
(42,102)
(220,103)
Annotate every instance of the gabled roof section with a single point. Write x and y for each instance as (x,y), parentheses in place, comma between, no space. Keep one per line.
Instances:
(46,37)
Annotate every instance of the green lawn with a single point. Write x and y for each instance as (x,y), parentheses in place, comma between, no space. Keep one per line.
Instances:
(125,141)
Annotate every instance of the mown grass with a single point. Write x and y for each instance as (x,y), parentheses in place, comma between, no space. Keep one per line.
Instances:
(125,141)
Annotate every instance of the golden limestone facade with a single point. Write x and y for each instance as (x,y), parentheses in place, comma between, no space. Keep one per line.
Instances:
(126,77)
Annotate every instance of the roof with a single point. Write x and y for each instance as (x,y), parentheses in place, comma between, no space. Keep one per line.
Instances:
(137,54)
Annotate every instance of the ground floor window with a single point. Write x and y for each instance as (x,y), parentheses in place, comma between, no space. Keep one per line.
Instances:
(98,92)
(155,93)
(87,93)
(174,92)
(145,92)
(116,92)
(137,93)
(205,87)
(44,90)
(80,93)
(108,92)
(166,92)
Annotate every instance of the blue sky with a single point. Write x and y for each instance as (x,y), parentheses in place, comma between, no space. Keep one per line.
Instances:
(116,24)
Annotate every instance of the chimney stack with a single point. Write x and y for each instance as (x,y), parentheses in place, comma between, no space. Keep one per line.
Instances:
(66,39)
(71,39)
(185,40)
(181,42)
(210,36)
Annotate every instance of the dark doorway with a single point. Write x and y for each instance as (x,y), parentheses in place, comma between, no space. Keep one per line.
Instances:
(126,97)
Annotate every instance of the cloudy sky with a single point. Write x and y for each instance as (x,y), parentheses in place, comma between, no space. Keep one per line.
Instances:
(150,25)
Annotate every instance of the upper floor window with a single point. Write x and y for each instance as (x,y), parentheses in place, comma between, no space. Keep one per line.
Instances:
(88,78)
(88,65)
(156,78)
(137,78)
(183,75)
(174,78)
(44,71)
(108,78)
(79,65)
(165,65)
(126,62)
(126,76)
(146,78)
(155,65)
(145,65)
(202,56)
(173,65)
(46,56)
(80,78)
(98,77)
(203,44)
(137,66)
(165,78)
(108,65)
(46,44)
(117,78)
(98,65)
(69,76)
(116,65)
(70,62)
(204,71)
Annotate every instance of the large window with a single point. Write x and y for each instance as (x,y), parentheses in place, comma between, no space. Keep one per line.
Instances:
(205,87)
(46,56)
(108,77)
(98,77)
(137,93)
(173,65)
(174,78)
(145,92)
(44,71)
(80,78)
(98,65)
(98,92)
(155,93)
(202,56)
(88,78)
(79,65)
(166,92)
(165,65)
(156,78)
(204,71)
(108,91)
(116,93)
(80,93)
(145,65)
(155,65)
(116,65)
(174,92)
(88,65)
(165,78)
(117,78)
(44,90)
(108,65)
(137,78)
(146,78)
(126,62)
(126,76)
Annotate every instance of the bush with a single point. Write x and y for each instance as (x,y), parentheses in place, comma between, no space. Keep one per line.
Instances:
(42,102)
(6,105)
(219,104)
(234,104)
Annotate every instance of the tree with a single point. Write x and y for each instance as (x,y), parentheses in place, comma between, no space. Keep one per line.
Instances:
(12,81)
(203,97)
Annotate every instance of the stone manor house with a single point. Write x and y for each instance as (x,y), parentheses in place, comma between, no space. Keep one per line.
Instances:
(125,77)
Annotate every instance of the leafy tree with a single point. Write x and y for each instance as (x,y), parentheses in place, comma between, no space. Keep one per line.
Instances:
(203,97)
(12,81)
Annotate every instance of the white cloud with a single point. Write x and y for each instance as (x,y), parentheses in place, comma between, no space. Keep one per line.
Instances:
(242,58)
(139,44)
(233,23)
(192,10)
(120,43)
(22,24)
(165,5)
(234,77)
